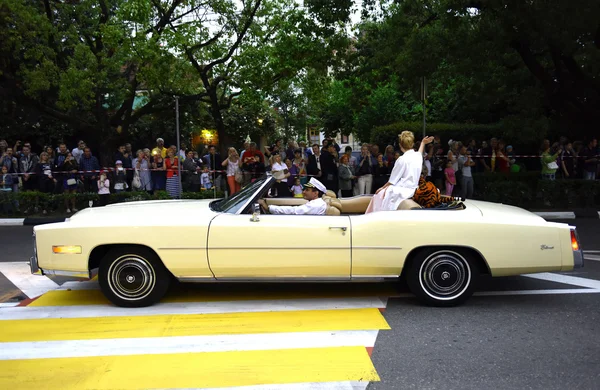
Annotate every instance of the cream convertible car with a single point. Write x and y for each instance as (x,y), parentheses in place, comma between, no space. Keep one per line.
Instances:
(139,247)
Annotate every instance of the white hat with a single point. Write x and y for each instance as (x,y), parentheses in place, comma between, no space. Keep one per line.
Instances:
(314,183)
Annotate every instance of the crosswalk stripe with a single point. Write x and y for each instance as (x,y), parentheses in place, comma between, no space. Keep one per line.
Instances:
(219,293)
(191,325)
(25,313)
(19,274)
(185,344)
(346,385)
(191,370)
(566,279)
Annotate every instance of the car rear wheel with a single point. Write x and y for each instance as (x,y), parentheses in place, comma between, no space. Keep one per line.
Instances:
(133,277)
(442,277)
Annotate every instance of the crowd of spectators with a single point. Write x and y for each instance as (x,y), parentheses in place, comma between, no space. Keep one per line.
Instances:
(348,173)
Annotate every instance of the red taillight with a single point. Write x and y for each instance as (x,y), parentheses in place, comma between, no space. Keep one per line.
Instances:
(574,242)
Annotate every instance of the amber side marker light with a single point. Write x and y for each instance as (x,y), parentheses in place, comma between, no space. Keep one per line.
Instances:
(574,242)
(66,249)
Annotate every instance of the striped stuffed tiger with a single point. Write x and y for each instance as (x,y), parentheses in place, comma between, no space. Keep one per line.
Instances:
(427,195)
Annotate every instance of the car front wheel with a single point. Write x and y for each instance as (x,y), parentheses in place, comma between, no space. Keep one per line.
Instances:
(442,277)
(133,277)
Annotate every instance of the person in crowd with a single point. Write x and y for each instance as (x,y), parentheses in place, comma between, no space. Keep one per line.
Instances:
(120,181)
(313,193)
(364,171)
(103,189)
(89,165)
(142,178)
(548,159)
(12,164)
(190,173)
(297,188)
(299,162)
(346,176)
(6,187)
(502,160)
(488,162)
(158,174)
(182,151)
(450,175)
(313,168)
(245,147)
(252,169)
(50,151)
(290,151)
(232,164)
(43,174)
(172,165)
(69,182)
(352,161)
(160,148)
(281,174)
(381,172)
(567,161)
(293,170)
(390,156)
(329,168)
(205,179)
(27,165)
(427,158)
(78,151)
(215,164)
(305,150)
(590,160)
(404,178)
(466,163)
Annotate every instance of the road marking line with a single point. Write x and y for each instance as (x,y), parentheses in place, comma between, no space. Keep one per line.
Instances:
(191,325)
(573,280)
(585,252)
(20,275)
(185,344)
(538,292)
(12,221)
(556,215)
(346,385)
(32,312)
(216,293)
(191,370)
(591,258)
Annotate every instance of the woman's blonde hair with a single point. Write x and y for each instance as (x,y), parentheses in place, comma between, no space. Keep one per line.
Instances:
(407,140)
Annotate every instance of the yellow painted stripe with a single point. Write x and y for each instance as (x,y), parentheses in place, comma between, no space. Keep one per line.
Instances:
(46,329)
(190,370)
(215,293)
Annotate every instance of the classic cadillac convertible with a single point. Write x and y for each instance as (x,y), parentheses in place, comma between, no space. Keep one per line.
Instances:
(138,248)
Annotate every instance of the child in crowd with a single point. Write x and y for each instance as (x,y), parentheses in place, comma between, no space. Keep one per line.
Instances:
(450,178)
(120,177)
(297,188)
(205,179)
(103,189)
(6,184)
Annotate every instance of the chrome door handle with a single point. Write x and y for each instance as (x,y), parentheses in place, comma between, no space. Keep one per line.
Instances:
(343,228)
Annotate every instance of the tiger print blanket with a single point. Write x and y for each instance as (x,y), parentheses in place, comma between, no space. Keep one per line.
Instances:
(427,195)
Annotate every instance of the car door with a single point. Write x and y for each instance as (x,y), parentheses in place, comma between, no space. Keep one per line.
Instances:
(280,246)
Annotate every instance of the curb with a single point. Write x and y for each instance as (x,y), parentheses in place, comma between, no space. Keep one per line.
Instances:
(29,221)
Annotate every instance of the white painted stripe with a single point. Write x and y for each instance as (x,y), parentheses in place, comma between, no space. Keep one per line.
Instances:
(556,214)
(20,275)
(8,304)
(12,221)
(346,385)
(585,252)
(591,258)
(598,214)
(35,312)
(557,291)
(185,344)
(573,280)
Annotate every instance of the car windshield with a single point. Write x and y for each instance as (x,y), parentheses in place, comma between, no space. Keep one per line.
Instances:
(233,204)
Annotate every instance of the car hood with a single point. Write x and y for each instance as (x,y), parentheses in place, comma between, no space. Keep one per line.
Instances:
(146,213)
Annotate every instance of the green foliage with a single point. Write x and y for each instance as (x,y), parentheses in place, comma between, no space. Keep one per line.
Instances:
(388,135)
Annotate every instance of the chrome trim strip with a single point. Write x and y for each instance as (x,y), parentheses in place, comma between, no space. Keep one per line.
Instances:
(374,276)
(280,247)
(73,274)
(377,247)
(266,279)
(33,260)
(181,249)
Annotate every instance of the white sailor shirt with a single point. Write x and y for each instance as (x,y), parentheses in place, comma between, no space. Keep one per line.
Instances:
(314,207)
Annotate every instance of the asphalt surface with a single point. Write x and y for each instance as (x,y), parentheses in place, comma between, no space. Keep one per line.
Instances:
(537,341)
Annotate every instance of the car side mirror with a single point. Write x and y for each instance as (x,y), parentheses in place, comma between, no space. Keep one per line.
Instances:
(255,212)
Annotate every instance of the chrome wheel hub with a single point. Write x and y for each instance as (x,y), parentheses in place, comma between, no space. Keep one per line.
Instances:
(445,275)
(131,277)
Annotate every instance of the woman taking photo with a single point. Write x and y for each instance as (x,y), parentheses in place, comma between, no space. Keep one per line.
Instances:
(404,179)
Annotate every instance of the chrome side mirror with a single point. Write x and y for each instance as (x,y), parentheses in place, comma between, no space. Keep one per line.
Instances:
(255,212)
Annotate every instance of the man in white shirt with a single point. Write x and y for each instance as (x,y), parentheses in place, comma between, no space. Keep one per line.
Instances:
(313,192)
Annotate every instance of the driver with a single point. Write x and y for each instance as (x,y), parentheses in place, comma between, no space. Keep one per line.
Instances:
(313,191)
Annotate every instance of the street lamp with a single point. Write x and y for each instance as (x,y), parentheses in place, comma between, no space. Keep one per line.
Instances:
(260,121)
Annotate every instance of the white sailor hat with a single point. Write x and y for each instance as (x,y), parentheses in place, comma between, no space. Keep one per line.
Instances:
(314,183)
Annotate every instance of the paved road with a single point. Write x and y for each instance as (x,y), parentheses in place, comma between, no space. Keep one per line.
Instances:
(517,332)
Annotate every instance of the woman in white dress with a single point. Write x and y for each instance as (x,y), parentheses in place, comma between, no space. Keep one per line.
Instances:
(404,179)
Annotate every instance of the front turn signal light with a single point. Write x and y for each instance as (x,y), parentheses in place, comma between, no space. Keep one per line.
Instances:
(574,242)
(67,249)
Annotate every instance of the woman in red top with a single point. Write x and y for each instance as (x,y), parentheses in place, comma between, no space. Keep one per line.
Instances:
(502,160)
(171,163)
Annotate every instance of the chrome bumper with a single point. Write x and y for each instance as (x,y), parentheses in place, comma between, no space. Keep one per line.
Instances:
(33,260)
